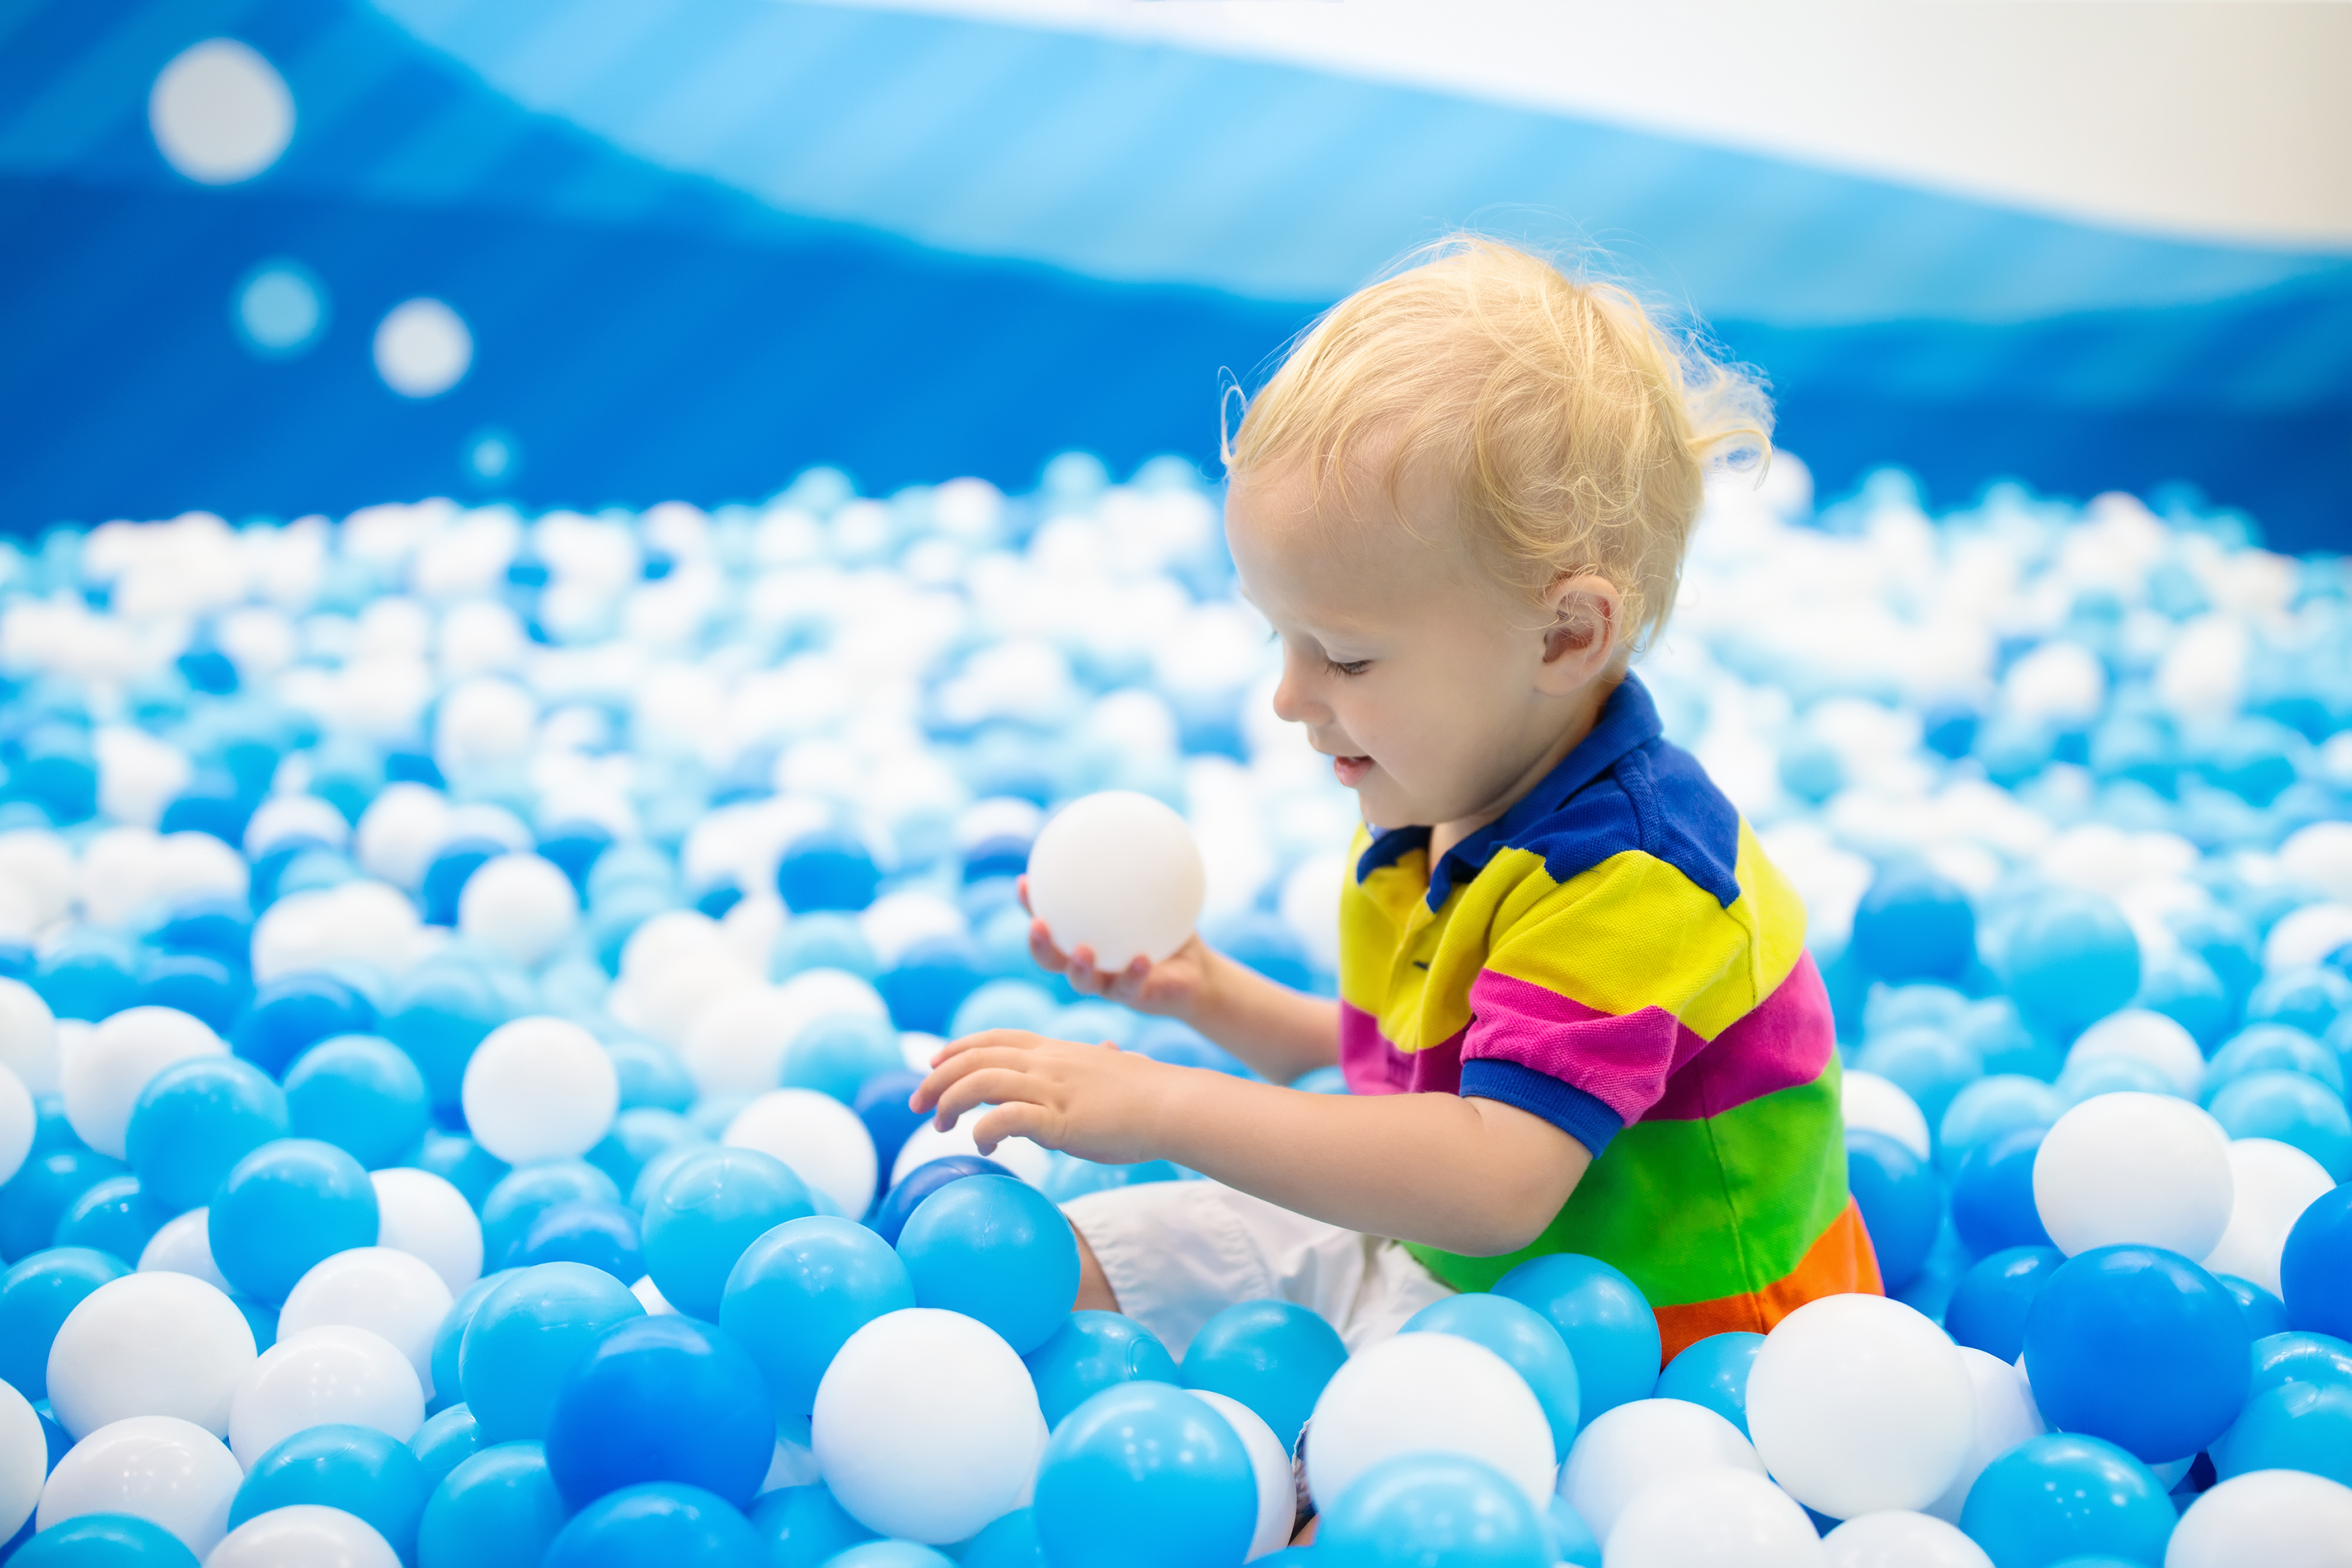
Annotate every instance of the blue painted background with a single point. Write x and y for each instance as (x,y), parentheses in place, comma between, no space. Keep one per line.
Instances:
(701,244)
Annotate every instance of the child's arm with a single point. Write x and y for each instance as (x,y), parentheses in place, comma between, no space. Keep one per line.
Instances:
(1470,1175)
(1279,1032)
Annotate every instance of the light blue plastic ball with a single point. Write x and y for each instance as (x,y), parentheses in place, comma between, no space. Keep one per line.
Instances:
(2265,1313)
(836,1054)
(1914,924)
(652,1077)
(35,1295)
(113,1217)
(823,940)
(195,1121)
(890,1555)
(1993,1106)
(447,1439)
(1713,1372)
(2139,1346)
(496,1508)
(1432,1508)
(1273,1357)
(1931,1065)
(638,1136)
(285,1206)
(2272,1047)
(103,1541)
(662,1524)
(1090,1351)
(1143,1475)
(994,1249)
(361,1093)
(524,1195)
(1521,1336)
(526,1335)
(1604,1317)
(800,1290)
(1901,1202)
(450,1338)
(2070,961)
(2291,1108)
(709,1209)
(803,1526)
(2064,1495)
(357,1469)
(1004,1004)
(1010,1542)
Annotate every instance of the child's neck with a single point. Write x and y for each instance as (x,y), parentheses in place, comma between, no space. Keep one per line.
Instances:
(1444,836)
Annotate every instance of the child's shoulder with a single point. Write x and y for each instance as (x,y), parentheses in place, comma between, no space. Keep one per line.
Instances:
(1654,799)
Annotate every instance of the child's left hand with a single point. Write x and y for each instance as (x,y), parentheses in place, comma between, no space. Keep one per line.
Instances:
(1096,1101)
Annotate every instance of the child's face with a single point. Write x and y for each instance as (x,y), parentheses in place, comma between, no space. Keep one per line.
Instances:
(1440,694)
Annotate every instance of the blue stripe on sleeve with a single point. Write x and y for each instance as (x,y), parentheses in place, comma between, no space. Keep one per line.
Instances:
(1581,1116)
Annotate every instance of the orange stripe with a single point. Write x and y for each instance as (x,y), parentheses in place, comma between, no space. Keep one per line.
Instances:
(1841,1262)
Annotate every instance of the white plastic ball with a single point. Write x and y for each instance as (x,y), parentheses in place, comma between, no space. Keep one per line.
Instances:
(339,1375)
(1277,1485)
(24,1460)
(149,1344)
(1899,1540)
(309,1535)
(1877,1104)
(196,865)
(2277,1518)
(666,938)
(400,830)
(1629,1447)
(2321,855)
(1859,1404)
(283,817)
(813,994)
(184,1244)
(388,1292)
(736,1044)
(926,1425)
(2271,1184)
(1029,1161)
(2135,1168)
(424,1215)
(668,1001)
(481,722)
(103,1079)
(519,906)
(2003,1415)
(540,1089)
(28,1037)
(168,1472)
(1119,872)
(1713,1519)
(18,1120)
(896,921)
(37,867)
(2307,936)
(823,1141)
(2148,1037)
(1429,1393)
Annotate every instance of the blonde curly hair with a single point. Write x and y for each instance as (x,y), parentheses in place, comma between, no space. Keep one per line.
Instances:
(1575,427)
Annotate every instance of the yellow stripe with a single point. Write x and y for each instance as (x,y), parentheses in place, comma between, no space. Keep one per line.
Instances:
(1774,913)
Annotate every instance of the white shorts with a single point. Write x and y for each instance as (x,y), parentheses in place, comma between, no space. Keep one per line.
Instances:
(1177,1253)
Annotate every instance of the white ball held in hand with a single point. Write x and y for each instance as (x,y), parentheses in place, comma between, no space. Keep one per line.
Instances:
(1119,872)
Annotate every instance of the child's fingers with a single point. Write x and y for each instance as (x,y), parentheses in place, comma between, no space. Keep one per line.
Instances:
(989,1086)
(995,1047)
(1017,1119)
(1021,889)
(1050,958)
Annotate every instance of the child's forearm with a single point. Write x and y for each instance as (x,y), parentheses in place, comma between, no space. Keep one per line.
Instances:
(1469,1176)
(1279,1032)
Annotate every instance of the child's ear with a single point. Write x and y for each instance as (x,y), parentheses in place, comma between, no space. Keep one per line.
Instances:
(1587,612)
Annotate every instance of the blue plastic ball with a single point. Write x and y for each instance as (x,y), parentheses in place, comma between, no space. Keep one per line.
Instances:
(709,1209)
(447,1439)
(445,877)
(835,1055)
(522,1195)
(2184,989)
(929,981)
(195,1121)
(103,1541)
(1930,1064)
(2071,961)
(652,1078)
(356,1469)
(891,1554)
(2291,1108)
(1901,1203)
(496,1509)
(35,1294)
(994,1249)
(826,870)
(1988,1308)
(1010,1542)
(196,984)
(1143,1475)
(1273,1357)
(638,1136)
(1990,1108)
(361,1093)
(285,1206)
(1432,1508)
(1521,1336)
(289,1016)
(901,1200)
(44,1187)
(800,1290)
(1713,1372)
(2272,1047)
(1606,1319)
(881,1104)
(824,941)
(2265,1313)
(1992,1196)
(1915,925)
(2310,998)
(660,1522)
(2294,1427)
(2315,1270)
(89,976)
(1090,1351)
(2296,1356)
(465,1164)
(112,1217)
(803,1526)
(661,1399)
(2138,1346)
(525,1335)
(2064,1495)
(1004,1004)
(438,1013)
(601,1234)
(574,847)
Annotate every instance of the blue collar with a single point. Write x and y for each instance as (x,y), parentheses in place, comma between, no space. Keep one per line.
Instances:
(1628,721)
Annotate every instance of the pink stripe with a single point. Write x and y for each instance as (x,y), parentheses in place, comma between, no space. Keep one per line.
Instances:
(1373,1066)
(1784,1041)
(1624,1061)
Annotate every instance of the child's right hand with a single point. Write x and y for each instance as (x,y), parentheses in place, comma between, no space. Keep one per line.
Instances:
(1171,989)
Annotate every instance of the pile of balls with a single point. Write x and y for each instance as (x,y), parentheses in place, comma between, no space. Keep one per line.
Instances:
(462,976)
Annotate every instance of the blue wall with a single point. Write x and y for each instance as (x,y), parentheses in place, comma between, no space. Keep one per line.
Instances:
(701,244)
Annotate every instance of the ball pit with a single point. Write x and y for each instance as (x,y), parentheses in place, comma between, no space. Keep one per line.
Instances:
(453,1069)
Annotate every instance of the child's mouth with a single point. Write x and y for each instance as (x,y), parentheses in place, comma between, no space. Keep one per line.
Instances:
(1351,770)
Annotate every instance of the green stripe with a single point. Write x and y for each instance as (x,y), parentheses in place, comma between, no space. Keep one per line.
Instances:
(1694,1211)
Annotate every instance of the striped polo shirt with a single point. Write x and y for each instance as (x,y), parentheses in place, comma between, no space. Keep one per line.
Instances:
(1615,955)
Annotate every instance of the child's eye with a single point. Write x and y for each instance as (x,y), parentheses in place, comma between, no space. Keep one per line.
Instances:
(1347,666)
